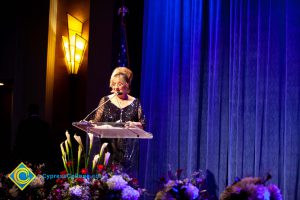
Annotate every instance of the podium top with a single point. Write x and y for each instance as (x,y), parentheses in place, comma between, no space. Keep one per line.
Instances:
(112,130)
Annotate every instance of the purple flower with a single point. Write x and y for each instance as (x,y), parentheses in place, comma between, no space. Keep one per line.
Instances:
(128,193)
(76,191)
(66,185)
(116,182)
(275,193)
(262,193)
(191,191)
(252,188)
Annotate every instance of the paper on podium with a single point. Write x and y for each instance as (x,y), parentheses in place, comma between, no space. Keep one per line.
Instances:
(112,130)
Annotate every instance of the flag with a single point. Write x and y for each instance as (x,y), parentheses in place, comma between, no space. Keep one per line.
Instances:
(123,59)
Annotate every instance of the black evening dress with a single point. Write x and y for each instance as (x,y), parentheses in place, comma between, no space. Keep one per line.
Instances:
(123,151)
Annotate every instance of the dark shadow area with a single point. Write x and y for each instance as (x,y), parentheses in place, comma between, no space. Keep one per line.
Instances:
(6,95)
(34,141)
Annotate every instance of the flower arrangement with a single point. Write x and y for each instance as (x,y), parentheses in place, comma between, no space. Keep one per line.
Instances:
(35,190)
(104,182)
(253,188)
(110,183)
(188,188)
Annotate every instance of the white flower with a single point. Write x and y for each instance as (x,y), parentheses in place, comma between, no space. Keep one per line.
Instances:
(95,161)
(128,193)
(76,191)
(126,177)
(116,182)
(106,158)
(68,138)
(104,145)
(66,185)
(67,146)
(78,139)
(37,182)
(62,149)
(191,191)
(91,137)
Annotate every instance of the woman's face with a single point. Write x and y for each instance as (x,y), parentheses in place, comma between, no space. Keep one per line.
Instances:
(118,84)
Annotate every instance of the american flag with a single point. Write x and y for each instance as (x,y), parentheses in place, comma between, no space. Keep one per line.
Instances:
(123,60)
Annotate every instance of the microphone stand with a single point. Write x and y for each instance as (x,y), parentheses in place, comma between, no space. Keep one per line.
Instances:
(115,94)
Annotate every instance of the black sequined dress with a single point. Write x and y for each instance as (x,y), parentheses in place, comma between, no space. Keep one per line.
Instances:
(123,151)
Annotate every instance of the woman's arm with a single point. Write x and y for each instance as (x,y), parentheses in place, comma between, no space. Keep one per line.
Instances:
(99,113)
(141,119)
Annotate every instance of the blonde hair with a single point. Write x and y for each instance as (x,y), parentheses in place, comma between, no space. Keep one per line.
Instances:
(123,72)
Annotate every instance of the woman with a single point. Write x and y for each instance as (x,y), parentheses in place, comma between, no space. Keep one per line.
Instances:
(122,107)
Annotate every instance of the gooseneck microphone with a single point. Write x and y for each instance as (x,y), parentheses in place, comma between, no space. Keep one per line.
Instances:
(102,104)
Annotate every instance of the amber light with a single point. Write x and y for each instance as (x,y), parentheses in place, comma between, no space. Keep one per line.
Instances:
(74,45)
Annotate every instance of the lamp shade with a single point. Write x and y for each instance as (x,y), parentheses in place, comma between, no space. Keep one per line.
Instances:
(74,45)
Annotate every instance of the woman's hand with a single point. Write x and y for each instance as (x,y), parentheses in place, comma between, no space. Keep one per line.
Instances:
(131,124)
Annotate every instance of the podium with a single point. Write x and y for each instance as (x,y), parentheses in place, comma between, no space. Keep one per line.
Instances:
(112,130)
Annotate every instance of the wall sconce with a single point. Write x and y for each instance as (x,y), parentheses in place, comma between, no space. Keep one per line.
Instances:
(74,45)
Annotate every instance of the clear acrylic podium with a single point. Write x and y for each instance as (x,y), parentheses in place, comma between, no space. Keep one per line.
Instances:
(112,130)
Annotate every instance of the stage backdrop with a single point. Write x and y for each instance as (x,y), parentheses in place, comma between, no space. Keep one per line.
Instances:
(221,90)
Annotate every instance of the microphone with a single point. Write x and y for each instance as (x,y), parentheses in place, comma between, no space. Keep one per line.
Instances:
(115,94)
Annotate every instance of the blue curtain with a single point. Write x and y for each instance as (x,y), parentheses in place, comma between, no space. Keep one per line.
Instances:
(221,91)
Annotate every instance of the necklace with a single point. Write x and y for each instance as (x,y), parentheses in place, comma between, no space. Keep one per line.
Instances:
(122,102)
